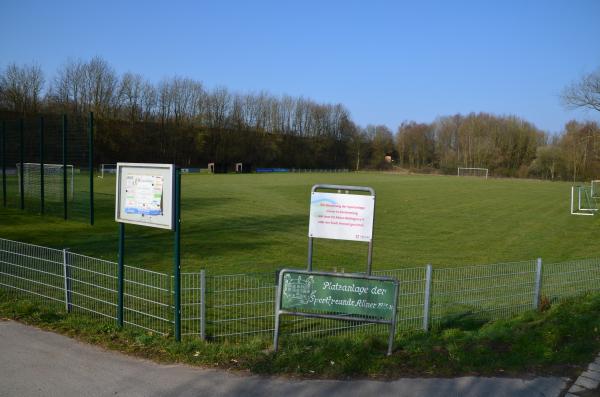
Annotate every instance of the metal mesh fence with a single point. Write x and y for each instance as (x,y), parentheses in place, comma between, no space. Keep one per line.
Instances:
(570,278)
(240,304)
(147,300)
(192,300)
(485,291)
(80,283)
(92,285)
(411,296)
(33,149)
(32,270)
(243,305)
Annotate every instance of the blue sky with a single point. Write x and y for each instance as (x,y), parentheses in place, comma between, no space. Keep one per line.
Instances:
(386,61)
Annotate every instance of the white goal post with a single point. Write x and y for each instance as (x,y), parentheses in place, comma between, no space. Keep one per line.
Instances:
(582,203)
(107,169)
(473,171)
(53,181)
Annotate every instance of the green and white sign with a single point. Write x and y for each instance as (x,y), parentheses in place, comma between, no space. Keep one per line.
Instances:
(338,295)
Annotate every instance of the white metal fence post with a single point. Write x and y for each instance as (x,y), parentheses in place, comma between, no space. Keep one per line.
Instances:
(203,304)
(67,280)
(427,302)
(538,284)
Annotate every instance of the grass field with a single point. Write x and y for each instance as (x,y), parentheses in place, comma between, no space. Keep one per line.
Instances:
(259,222)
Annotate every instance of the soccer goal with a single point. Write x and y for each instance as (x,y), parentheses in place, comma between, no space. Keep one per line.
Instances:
(466,171)
(582,202)
(53,181)
(595,189)
(107,169)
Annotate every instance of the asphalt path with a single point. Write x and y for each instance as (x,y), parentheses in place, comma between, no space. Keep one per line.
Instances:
(39,363)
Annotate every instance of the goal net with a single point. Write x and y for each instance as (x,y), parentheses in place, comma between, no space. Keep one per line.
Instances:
(466,171)
(53,181)
(595,188)
(582,202)
(107,169)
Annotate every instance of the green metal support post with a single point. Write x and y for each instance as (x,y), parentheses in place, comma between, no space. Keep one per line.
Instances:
(42,165)
(120,275)
(4,162)
(176,255)
(91,166)
(64,158)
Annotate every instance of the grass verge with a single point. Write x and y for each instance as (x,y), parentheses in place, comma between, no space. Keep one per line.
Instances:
(558,341)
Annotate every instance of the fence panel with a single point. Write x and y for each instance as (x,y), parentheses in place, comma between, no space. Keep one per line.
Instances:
(191,304)
(486,291)
(563,279)
(147,300)
(411,296)
(240,305)
(32,270)
(92,285)
(243,305)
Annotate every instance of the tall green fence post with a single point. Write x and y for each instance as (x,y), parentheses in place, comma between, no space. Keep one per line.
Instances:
(91,165)
(42,165)
(64,158)
(120,274)
(177,256)
(21,164)
(4,162)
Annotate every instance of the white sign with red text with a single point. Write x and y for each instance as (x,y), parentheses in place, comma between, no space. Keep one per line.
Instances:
(341,216)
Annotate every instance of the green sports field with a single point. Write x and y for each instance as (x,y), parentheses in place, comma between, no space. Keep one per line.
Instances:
(259,222)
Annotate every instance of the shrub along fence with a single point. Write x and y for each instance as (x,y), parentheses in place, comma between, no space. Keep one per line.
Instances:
(242,305)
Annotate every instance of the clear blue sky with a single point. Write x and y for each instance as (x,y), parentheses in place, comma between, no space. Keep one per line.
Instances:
(386,61)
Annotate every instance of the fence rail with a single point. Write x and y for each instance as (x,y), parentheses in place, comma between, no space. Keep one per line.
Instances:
(243,305)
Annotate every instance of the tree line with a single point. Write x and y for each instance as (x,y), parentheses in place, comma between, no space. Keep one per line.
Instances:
(180,120)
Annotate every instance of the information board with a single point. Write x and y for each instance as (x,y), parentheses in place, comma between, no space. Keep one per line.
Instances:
(145,194)
(341,216)
(349,295)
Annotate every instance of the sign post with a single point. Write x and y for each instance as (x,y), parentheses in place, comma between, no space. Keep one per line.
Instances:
(339,296)
(350,297)
(342,216)
(149,195)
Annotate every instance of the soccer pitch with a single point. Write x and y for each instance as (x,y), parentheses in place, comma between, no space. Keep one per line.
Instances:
(259,222)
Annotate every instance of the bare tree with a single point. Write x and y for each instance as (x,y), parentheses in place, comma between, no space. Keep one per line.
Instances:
(130,96)
(21,87)
(68,85)
(584,93)
(101,83)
